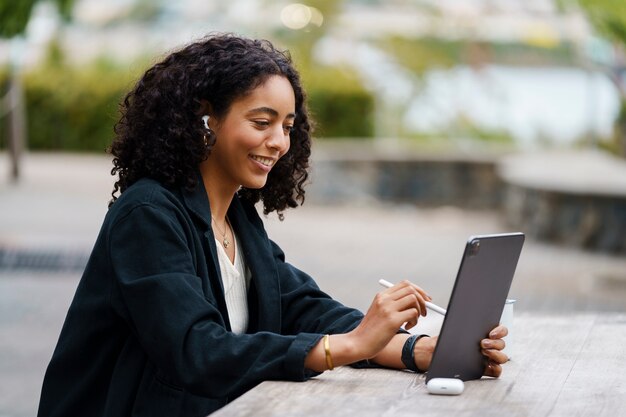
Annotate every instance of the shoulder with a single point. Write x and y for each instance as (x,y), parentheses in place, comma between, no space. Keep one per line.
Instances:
(145,193)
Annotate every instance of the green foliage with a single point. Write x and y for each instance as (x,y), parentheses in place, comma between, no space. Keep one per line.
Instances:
(608,17)
(14,15)
(73,108)
(342,113)
(65,8)
(421,54)
(509,53)
(339,104)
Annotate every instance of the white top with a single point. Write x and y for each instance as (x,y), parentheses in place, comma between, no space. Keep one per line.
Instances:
(235,279)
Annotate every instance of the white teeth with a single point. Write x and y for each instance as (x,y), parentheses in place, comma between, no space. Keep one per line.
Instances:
(265,161)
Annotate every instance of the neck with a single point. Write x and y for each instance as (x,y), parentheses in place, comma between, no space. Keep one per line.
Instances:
(220,195)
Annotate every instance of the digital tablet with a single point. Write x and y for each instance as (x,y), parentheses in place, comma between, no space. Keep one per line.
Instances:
(480,290)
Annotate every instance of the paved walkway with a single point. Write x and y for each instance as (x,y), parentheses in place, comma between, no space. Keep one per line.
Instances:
(62,199)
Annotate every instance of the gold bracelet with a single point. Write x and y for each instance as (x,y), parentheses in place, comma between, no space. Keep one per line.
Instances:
(329,358)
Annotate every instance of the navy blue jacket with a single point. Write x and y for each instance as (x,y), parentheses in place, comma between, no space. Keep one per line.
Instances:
(147,333)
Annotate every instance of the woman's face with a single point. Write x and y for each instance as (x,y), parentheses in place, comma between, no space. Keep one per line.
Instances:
(252,136)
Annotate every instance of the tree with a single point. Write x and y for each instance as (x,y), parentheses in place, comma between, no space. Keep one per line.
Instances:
(14,15)
(609,18)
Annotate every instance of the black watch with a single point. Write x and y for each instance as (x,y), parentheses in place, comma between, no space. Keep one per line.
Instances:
(408,353)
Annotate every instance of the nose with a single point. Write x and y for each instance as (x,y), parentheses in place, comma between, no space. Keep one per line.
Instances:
(278,140)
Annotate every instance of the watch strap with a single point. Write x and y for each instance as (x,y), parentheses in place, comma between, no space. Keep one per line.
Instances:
(408,352)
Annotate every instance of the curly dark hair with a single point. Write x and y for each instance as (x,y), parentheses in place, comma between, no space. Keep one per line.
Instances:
(160,134)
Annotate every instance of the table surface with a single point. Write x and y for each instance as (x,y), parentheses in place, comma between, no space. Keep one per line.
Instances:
(561,366)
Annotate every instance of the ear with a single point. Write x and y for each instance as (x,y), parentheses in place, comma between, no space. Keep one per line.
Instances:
(205,111)
(204,108)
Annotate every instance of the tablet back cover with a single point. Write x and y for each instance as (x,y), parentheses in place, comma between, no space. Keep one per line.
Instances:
(480,290)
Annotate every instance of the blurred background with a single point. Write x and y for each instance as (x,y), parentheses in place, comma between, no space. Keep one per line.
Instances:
(436,120)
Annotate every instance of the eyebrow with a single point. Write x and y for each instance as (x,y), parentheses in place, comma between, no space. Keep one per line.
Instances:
(270,111)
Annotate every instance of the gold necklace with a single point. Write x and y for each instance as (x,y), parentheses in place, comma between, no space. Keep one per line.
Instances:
(225,241)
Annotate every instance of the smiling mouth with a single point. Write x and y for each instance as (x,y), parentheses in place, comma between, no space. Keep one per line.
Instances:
(268,162)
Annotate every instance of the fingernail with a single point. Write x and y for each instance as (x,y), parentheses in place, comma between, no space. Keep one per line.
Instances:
(487,343)
(493,333)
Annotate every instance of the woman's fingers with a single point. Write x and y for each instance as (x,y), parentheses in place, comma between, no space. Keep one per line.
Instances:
(498,344)
(498,332)
(492,349)
(383,319)
(409,317)
(493,369)
(407,295)
(495,355)
(401,304)
(412,301)
(396,312)
(405,310)
(408,284)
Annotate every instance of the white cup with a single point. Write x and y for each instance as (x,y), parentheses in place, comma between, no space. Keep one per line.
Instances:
(507,320)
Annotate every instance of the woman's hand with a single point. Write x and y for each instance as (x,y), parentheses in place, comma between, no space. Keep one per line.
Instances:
(402,303)
(491,348)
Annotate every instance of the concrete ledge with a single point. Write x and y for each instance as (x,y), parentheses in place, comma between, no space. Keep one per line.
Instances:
(582,172)
(572,198)
(379,171)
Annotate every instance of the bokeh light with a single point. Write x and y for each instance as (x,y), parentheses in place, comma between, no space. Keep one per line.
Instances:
(298,16)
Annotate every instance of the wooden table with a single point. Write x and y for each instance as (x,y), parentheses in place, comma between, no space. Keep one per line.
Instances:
(561,366)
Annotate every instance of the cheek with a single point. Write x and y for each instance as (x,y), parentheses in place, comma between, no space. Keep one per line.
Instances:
(242,141)
(287,147)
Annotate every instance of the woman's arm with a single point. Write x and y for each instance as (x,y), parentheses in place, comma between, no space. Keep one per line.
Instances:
(391,308)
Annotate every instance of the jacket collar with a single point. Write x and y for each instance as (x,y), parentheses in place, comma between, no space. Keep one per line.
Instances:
(197,201)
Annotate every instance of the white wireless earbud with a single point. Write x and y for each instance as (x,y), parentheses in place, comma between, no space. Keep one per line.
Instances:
(205,119)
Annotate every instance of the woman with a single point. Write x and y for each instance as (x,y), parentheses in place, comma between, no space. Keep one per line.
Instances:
(185,303)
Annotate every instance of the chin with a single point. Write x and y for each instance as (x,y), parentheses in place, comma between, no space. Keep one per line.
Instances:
(255,185)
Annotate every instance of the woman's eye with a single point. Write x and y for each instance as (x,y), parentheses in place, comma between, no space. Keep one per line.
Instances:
(288,129)
(262,123)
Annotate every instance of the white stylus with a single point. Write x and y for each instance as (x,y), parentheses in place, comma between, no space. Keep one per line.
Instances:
(433,307)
